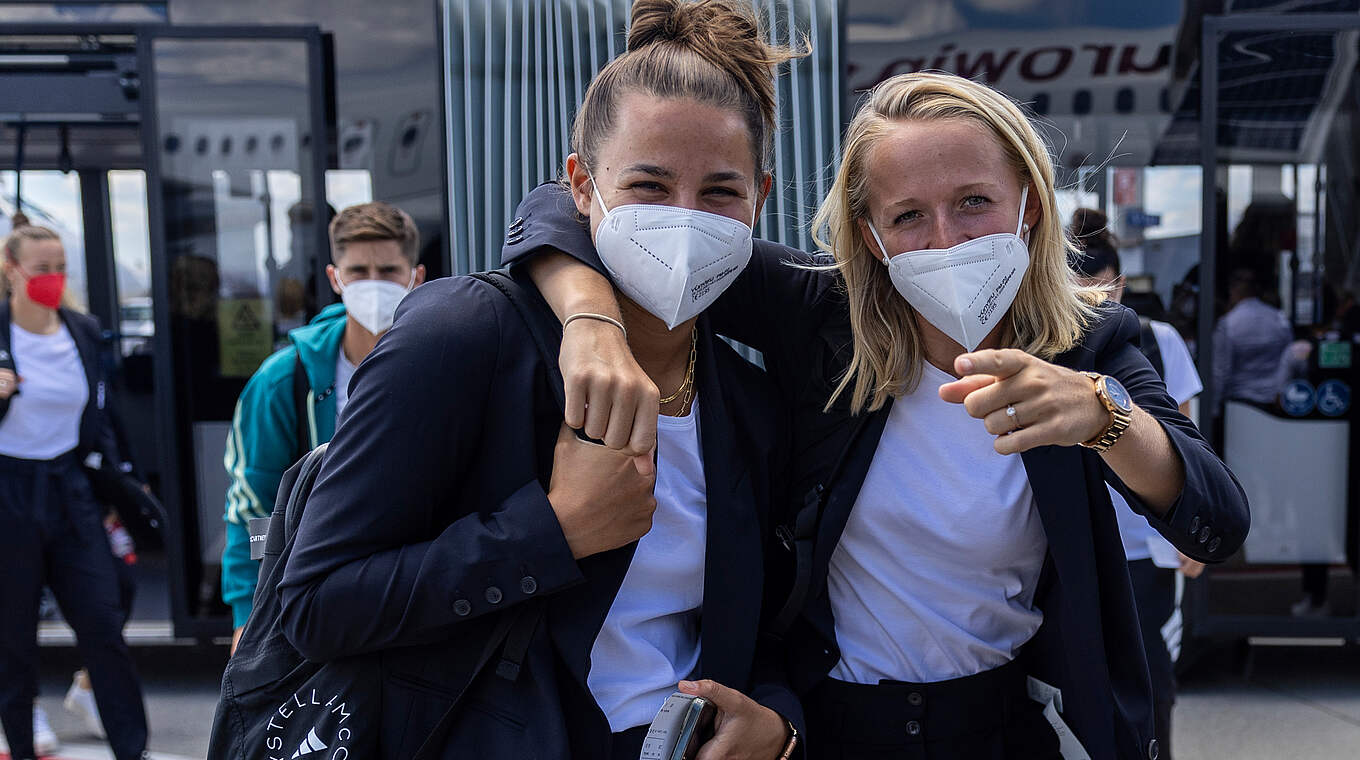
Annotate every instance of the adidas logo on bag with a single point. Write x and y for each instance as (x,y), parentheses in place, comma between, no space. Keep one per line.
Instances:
(309,745)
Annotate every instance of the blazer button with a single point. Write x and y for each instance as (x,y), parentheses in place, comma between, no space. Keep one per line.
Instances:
(1154,750)
(1204,534)
(462,608)
(494,595)
(1194,525)
(913,728)
(528,585)
(1214,543)
(915,699)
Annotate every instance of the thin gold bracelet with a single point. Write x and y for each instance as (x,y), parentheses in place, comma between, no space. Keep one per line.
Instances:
(597,317)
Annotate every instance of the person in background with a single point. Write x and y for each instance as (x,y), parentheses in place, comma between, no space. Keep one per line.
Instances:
(373,253)
(1153,561)
(1248,343)
(53,399)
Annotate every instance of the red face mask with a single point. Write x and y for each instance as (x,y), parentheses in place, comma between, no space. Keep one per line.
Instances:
(45,289)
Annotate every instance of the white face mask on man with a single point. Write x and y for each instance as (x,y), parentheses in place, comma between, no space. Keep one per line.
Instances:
(674,262)
(373,303)
(964,290)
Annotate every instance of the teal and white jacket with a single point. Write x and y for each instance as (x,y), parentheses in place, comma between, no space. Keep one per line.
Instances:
(263,442)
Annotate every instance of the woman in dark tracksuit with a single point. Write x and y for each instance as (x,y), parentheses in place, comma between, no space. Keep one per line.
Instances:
(52,417)
(968,595)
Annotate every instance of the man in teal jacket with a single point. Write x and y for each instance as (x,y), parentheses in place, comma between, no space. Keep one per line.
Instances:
(374,250)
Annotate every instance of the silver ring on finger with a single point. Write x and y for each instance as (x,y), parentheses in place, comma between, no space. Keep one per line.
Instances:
(1015,420)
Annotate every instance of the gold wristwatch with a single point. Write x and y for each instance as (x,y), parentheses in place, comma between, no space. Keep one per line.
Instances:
(792,744)
(1118,403)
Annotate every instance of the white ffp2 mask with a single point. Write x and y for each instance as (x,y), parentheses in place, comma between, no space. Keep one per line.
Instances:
(674,262)
(373,303)
(966,289)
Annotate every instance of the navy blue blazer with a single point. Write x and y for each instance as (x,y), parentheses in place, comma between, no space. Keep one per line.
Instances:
(430,519)
(1089,645)
(96,427)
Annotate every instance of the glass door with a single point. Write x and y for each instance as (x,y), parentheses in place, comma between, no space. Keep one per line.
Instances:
(1278,326)
(235,141)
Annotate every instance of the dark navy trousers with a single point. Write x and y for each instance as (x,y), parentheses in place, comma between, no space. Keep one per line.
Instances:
(52,533)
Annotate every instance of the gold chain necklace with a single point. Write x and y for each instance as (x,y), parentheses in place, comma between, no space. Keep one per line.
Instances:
(688,382)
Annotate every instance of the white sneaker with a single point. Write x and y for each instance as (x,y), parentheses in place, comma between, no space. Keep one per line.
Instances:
(45,740)
(80,702)
(1305,608)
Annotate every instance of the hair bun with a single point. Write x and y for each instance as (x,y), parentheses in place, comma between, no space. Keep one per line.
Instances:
(1091,228)
(688,23)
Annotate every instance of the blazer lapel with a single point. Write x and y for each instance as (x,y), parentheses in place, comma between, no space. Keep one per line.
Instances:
(733,567)
(1057,477)
(845,487)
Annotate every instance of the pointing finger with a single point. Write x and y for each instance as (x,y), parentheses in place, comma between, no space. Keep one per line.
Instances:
(999,362)
(960,389)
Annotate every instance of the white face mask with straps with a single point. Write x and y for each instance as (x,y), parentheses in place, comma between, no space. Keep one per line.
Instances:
(674,262)
(373,303)
(964,290)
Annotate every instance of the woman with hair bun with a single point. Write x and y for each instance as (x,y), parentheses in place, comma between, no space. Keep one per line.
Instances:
(960,403)
(453,498)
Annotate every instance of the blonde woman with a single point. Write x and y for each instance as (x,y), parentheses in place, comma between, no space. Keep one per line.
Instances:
(53,397)
(941,336)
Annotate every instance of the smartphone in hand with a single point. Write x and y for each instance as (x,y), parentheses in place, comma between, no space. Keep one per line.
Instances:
(680,728)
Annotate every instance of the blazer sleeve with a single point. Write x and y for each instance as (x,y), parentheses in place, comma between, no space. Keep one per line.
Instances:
(776,305)
(1210,519)
(381,558)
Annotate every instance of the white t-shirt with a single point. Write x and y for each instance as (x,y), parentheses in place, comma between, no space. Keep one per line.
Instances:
(935,574)
(1141,540)
(343,372)
(43,421)
(650,638)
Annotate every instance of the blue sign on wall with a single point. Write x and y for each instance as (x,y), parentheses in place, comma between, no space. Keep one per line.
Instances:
(1334,398)
(1142,219)
(1298,399)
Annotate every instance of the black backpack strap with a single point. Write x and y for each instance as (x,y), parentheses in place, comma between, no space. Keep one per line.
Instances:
(515,628)
(800,538)
(6,358)
(544,335)
(1151,349)
(302,388)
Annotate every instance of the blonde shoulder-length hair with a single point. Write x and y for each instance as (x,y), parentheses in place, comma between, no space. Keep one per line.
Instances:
(1051,311)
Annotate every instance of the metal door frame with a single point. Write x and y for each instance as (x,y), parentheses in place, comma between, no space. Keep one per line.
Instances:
(173,448)
(1199,621)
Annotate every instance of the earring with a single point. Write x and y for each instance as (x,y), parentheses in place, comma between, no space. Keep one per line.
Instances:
(1024,228)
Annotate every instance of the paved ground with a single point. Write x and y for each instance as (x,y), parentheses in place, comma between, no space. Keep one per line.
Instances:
(1291,703)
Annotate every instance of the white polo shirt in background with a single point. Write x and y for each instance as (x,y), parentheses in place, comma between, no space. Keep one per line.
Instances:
(935,574)
(650,638)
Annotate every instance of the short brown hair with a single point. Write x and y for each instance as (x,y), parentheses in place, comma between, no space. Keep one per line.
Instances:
(374,221)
